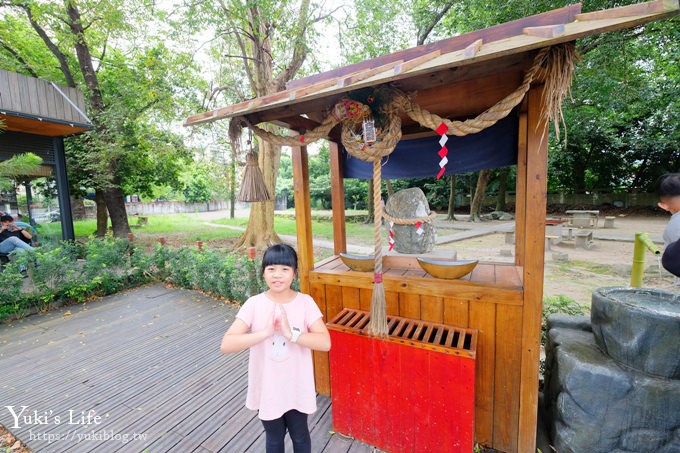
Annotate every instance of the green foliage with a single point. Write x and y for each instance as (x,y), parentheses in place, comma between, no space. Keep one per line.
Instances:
(141,83)
(376,29)
(18,165)
(229,276)
(72,273)
(559,304)
(10,283)
(196,191)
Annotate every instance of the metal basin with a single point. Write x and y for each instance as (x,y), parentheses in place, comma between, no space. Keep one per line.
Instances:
(447,269)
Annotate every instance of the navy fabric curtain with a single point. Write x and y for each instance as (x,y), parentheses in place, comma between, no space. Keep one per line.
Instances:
(493,147)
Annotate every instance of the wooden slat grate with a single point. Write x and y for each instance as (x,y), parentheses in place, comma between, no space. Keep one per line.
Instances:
(424,334)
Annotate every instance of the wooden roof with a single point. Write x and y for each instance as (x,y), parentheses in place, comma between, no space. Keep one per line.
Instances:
(39,107)
(475,70)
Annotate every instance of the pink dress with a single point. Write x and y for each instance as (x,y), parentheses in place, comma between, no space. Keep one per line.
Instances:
(280,373)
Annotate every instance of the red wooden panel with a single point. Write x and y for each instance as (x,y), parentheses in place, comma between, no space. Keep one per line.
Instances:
(451,412)
(399,397)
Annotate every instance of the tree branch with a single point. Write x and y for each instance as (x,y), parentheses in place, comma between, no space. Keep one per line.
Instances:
(241,44)
(63,63)
(423,34)
(19,58)
(596,41)
(299,48)
(244,57)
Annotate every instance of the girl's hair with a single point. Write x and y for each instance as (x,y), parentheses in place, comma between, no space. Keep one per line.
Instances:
(282,254)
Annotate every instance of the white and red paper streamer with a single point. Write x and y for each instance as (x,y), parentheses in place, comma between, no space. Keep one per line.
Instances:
(390,237)
(442,130)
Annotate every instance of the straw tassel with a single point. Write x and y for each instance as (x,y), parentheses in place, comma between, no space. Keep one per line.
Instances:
(253,187)
(378,325)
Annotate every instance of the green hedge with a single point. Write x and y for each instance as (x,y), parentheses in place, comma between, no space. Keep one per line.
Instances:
(69,272)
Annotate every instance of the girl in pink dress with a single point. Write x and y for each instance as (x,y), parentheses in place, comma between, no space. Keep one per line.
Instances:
(281,327)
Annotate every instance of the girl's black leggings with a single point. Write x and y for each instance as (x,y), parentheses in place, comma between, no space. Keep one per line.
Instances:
(293,421)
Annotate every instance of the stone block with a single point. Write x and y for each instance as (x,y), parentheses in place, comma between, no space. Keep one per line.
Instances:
(560,257)
(597,405)
(411,204)
(609,221)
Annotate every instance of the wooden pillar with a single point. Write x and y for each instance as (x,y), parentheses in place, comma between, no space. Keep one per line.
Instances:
(534,258)
(67,232)
(303,215)
(521,189)
(338,200)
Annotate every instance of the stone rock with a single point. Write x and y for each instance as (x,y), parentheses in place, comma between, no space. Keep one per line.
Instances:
(560,257)
(581,322)
(501,215)
(639,327)
(597,405)
(411,204)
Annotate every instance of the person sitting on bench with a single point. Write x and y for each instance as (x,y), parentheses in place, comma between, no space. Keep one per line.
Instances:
(13,237)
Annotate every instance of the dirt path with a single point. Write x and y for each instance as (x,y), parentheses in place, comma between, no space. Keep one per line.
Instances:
(606,263)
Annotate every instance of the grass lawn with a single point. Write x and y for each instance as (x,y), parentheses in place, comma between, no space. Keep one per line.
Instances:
(189,228)
(321,228)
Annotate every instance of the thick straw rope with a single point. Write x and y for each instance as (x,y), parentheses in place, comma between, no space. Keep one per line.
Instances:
(378,323)
(386,141)
(408,221)
(560,65)
(312,136)
(482,121)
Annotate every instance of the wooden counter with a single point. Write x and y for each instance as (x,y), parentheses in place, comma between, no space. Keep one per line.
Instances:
(490,299)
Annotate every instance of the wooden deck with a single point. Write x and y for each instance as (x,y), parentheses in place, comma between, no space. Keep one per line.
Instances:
(146,362)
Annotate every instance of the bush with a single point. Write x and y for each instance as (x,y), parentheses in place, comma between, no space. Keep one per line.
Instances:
(559,304)
(68,272)
(225,275)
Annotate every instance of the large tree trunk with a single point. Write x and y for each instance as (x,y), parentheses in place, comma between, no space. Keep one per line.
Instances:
(113,195)
(232,185)
(260,230)
(452,198)
(369,203)
(502,188)
(256,48)
(116,207)
(102,213)
(77,208)
(480,192)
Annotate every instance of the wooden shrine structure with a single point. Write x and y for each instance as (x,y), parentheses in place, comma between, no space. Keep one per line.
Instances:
(457,78)
(37,115)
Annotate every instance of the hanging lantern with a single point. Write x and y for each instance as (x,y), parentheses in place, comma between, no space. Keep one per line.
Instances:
(253,187)
(368,127)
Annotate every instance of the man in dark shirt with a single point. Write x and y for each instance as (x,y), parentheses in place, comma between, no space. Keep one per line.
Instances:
(13,237)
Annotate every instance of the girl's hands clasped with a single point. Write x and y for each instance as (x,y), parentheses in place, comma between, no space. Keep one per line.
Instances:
(282,322)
